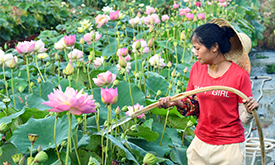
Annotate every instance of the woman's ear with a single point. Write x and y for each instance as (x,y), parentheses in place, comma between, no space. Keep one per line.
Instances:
(215,47)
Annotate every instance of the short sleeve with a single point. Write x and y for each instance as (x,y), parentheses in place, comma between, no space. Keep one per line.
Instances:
(245,86)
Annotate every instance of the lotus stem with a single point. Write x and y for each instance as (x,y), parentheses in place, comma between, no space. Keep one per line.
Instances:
(27,65)
(164,127)
(69,137)
(75,148)
(35,59)
(12,89)
(77,78)
(58,71)
(54,138)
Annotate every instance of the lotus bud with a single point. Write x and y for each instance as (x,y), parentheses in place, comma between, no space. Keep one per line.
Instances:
(69,69)
(151,29)
(178,74)
(138,45)
(41,157)
(170,86)
(63,143)
(117,111)
(175,44)
(3,128)
(39,80)
(143,63)
(30,160)
(32,84)
(182,36)
(93,36)
(134,39)
(169,64)
(123,26)
(79,120)
(22,161)
(137,75)
(115,83)
(33,137)
(97,105)
(149,159)
(150,43)
(39,148)
(13,63)
(185,70)
(139,15)
(56,56)
(124,109)
(21,89)
(159,92)
(173,74)
(82,42)
(179,83)
(122,62)
(16,158)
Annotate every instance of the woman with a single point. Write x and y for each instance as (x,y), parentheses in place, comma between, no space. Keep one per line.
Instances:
(222,59)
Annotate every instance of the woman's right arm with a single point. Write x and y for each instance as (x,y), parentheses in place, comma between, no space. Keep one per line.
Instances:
(166,102)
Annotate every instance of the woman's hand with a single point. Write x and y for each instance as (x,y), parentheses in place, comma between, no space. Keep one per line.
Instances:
(166,102)
(251,104)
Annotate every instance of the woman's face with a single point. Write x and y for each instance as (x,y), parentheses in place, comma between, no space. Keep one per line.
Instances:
(204,55)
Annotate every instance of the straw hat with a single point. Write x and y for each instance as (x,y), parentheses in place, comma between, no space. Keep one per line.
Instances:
(240,46)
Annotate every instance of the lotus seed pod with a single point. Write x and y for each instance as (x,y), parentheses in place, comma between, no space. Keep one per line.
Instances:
(177,91)
(33,137)
(69,69)
(149,159)
(3,128)
(124,109)
(190,123)
(115,83)
(30,160)
(63,143)
(41,157)
(21,89)
(93,161)
(79,120)
(179,83)
(170,86)
(16,158)
(134,128)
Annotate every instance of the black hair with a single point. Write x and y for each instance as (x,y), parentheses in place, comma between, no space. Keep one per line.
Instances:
(208,34)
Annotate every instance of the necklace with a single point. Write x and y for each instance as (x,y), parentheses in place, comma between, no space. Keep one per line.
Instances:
(213,66)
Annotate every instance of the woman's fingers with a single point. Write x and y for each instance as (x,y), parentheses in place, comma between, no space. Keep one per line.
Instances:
(164,102)
(251,104)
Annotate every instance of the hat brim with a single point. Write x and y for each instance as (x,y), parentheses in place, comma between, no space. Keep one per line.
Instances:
(240,46)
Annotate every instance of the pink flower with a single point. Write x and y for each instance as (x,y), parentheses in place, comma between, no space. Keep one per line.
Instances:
(122,51)
(131,110)
(101,20)
(39,46)
(106,78)
(76,55)
(26,47)
(127,68)
(157,61)
(92,36)
(98,62)
(69,40)
(151,20)
(76,102)
(128,58)
(222,1)
(114,15)
(201,16)
(184,11)
(150,10)
(60,45)
(5,58)
(122,61)
(109,96)
(164,17)
(189,16)
(223,4)
(198,4)
(176,6)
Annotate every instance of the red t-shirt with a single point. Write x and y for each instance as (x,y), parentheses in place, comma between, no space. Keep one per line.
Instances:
(219,121)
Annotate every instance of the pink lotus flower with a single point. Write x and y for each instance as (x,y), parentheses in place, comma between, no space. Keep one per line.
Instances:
(157,61)
(201,16)
(151,20)
(106,78)
(128,58)
(26,47)
(222,1)
(198,4)
(164,17)
(76,102)
(131,110)
(101,20)
(176,6)
(69,40)
(150,10)
(109,96)
(184,11)
(122,51)
(135,21)
(60,45)
(39,46)
(222,4)
(76,55)
(189,16)
(114,15)
(98,62)
(92,36)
